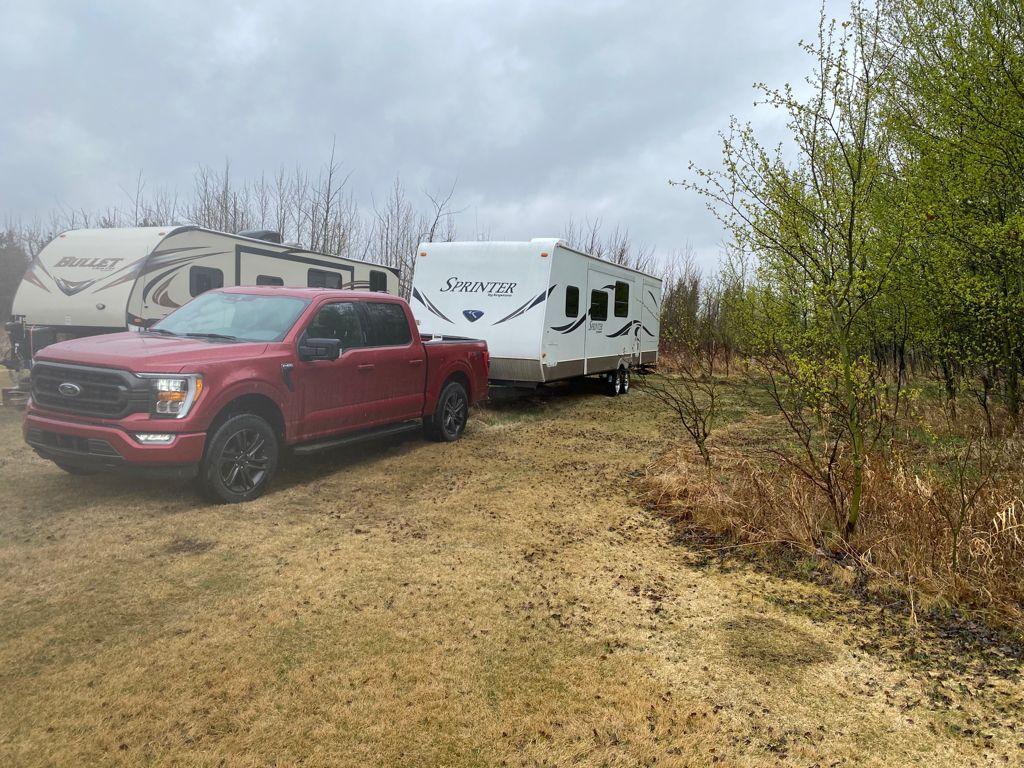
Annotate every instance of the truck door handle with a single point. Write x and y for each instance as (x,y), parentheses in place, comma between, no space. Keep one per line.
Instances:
(365,367)
(416,362)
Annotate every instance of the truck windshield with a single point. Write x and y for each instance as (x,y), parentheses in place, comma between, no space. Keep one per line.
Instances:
(234,317)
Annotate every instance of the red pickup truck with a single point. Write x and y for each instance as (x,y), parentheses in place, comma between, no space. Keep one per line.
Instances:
(219,388)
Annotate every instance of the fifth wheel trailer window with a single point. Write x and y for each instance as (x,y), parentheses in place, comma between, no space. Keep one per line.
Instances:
(572,301)
(386,324)
(598,305)
(269,280)
(318,278)
(378,281)
(203,279)
(622,299)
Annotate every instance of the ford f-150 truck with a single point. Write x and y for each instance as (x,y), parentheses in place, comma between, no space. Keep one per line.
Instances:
(221,387)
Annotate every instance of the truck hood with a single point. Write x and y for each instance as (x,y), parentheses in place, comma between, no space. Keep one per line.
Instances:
(148,352)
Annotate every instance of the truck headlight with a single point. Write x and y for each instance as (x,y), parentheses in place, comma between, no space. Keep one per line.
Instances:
(173,396)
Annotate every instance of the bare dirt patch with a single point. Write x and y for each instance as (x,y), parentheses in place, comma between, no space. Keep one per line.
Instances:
(764,644)
(187,546)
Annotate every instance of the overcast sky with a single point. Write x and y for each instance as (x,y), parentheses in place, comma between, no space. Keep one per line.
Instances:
(542,110)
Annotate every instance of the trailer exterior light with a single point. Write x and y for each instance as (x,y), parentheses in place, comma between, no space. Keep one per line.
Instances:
(155,438)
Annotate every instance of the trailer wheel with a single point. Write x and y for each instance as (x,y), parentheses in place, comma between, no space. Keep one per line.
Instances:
(623,381)
(240,460)
(450,415)
(611,383)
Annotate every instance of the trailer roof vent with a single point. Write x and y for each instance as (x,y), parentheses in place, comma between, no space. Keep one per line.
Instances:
(262,234)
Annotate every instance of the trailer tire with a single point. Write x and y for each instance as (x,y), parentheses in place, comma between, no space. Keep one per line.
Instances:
(611,383)
(624,380)
(240,459)
(448,421)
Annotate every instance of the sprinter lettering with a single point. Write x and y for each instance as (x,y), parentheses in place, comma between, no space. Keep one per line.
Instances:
(493,288)
(104,265)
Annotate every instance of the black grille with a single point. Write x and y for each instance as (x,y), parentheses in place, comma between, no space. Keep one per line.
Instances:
(91,446)
(101,392)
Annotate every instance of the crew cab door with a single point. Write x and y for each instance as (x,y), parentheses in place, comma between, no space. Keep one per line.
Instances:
(335,393)
(399,360)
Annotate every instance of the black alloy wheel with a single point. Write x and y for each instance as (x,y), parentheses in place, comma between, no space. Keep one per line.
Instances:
(243,462)
(241,458)
(451,414)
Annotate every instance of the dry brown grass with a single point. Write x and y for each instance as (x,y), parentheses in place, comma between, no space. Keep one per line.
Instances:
(502,600)
(917,508)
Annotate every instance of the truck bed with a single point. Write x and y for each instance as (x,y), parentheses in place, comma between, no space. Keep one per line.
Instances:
(442,351)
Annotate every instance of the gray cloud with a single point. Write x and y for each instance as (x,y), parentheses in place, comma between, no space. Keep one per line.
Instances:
(542,110)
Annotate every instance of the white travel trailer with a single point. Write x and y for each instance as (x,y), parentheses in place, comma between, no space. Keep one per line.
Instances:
(546,311)
(90,281)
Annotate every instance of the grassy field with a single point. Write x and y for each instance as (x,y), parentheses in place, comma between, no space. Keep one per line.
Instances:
(504,600)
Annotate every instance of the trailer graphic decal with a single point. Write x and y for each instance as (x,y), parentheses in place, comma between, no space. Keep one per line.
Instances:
(538,299)
(570,327)
(624,329)
(70,288)
(472,314)
(33,278)
(428,304)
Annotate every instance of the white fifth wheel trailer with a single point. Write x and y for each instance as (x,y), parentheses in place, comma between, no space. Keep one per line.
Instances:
(91,281)
(546,311)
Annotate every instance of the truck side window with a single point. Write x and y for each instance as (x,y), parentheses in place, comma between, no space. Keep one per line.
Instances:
(203,279)
(269,280)
(598,305)
(378,281)
(387,325)
(572,301)
(622,299)
(338,321)
(319,278)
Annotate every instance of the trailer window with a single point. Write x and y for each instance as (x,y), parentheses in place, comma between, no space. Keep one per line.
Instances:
(598,305)
(203,279)
(338,321)
(387,325)
(622,299)
(318,278)
(572,301)
(269,280)
(378,281)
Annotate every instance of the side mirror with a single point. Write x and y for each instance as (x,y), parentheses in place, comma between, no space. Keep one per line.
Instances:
(319,349)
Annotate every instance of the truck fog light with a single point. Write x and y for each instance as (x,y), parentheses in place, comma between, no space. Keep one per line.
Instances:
(154,438)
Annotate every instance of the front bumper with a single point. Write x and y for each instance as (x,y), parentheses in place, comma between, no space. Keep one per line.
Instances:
(109,448)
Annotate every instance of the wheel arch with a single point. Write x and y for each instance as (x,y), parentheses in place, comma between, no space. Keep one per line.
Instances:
(256,404)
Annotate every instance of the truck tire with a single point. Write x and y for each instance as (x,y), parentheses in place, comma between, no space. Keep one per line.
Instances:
(623,381)
(450,415)
(240,459)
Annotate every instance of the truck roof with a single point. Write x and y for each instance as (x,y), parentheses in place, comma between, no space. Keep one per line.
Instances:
(308,293)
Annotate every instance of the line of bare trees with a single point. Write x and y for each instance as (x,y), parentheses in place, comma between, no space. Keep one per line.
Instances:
(317,210)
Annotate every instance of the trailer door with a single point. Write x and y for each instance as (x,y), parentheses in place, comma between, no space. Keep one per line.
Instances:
(611,321)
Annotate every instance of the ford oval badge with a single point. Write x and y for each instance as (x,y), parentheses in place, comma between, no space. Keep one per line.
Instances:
(69,390)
